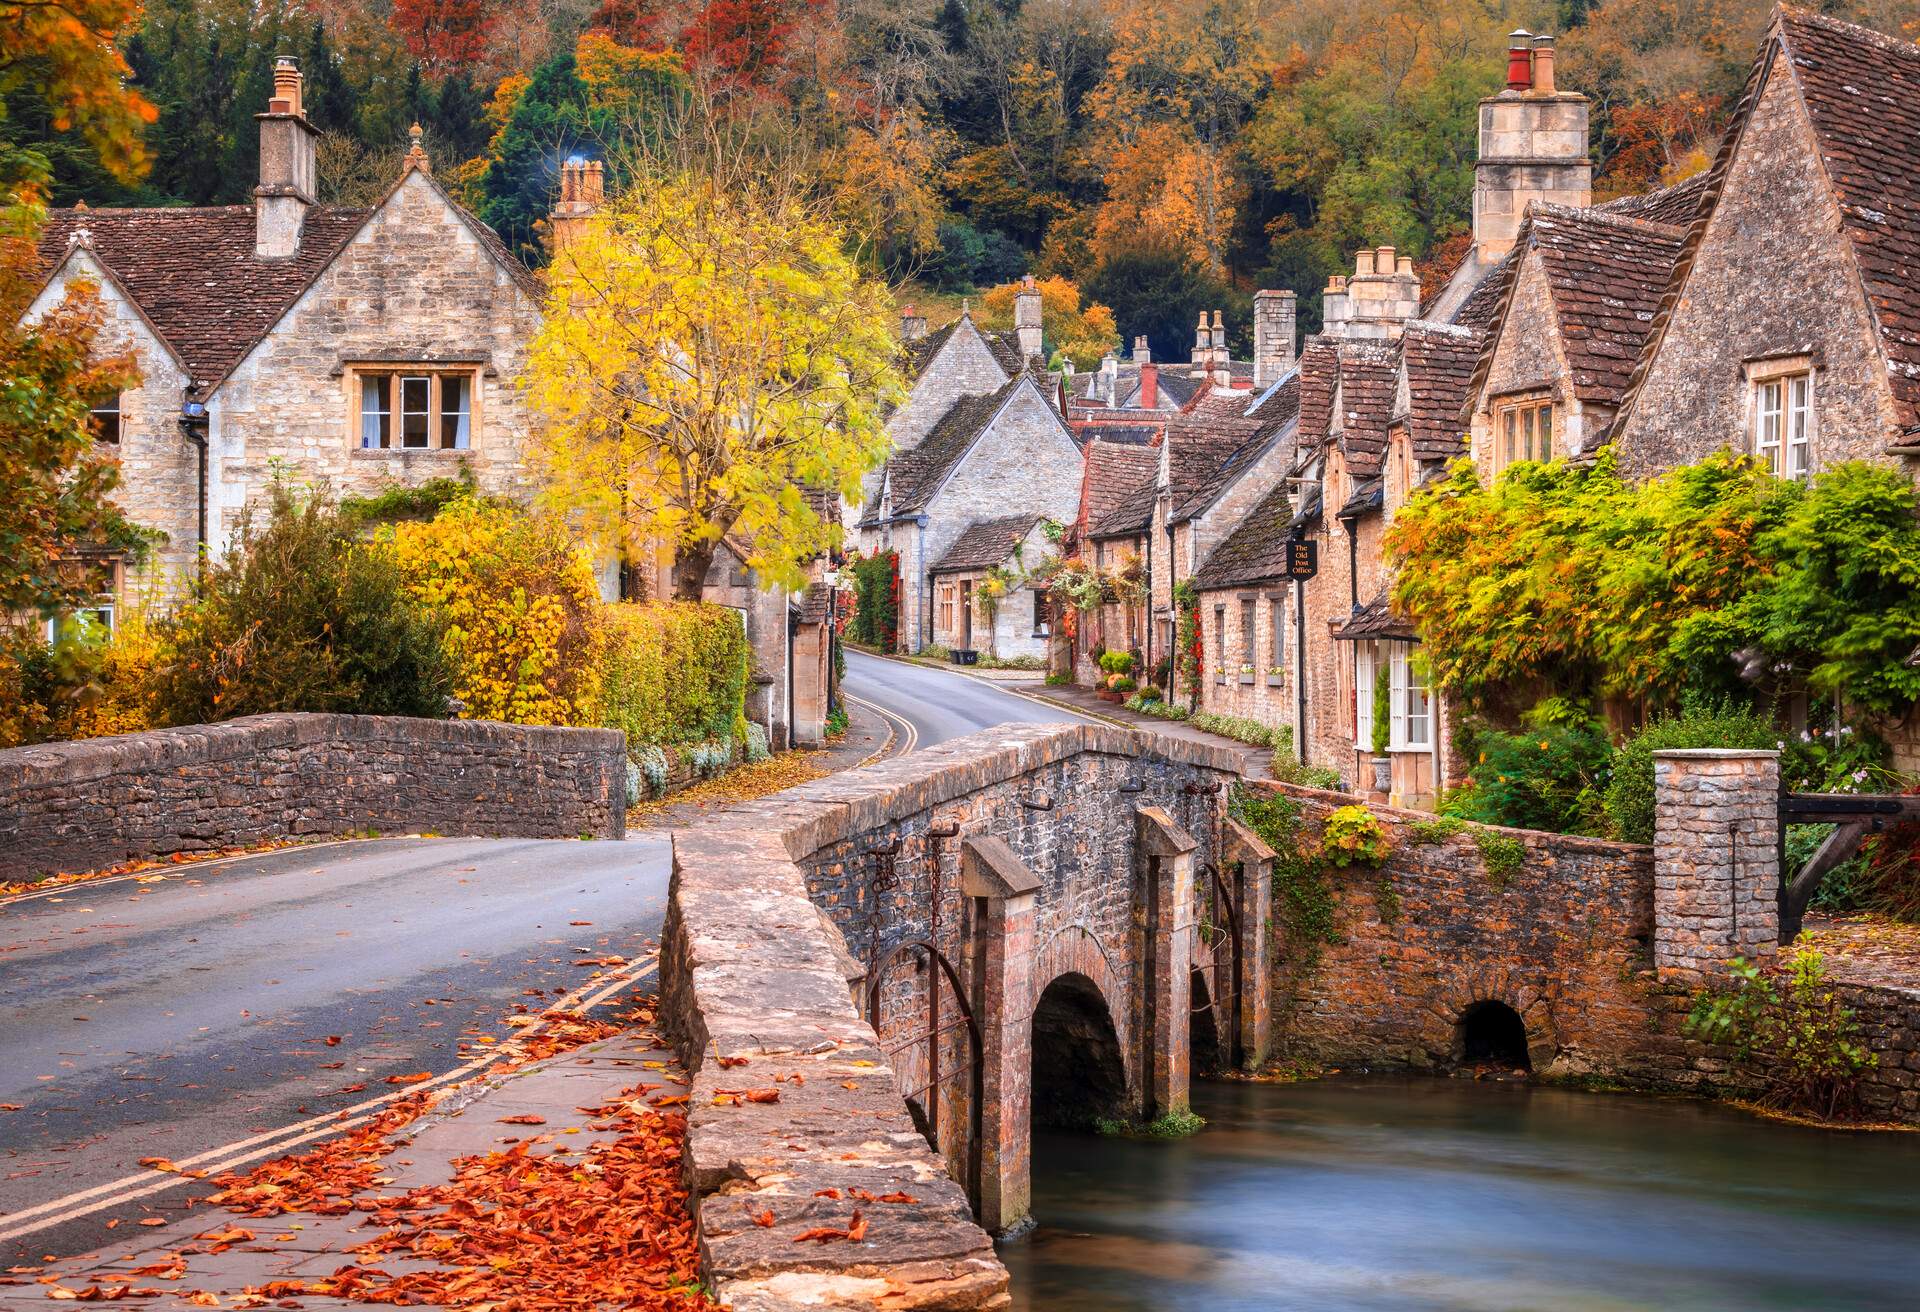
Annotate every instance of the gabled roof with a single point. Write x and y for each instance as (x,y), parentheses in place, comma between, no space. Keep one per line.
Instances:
(1369,377)
(1132,513)
(1376,620)
(1199,477)
(194,275)
(1861,89)
(921,350)
(1114,472)
(985,543)
(1606,275)
(913,477)
(1256,551)
(1439,361)
(1678,205)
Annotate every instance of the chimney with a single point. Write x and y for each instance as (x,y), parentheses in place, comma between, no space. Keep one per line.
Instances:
(913,325)
(1149,385)
(1222,361)
(288,180)
(1376,302)
(1109,379)
(1141,351)
(1533,147)
(1272,336)
(582,191)
(1026,318)
(1202,349)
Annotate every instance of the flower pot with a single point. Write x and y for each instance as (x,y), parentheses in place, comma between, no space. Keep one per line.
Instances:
(1383,774)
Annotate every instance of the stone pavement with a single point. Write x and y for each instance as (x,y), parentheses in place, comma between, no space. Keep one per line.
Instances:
(1257,762)
(304,1246)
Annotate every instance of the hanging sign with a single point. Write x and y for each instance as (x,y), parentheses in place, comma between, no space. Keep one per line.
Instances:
(1303,558)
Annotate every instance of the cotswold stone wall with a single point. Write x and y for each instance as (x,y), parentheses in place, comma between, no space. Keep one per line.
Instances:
(776,913)
(86,805)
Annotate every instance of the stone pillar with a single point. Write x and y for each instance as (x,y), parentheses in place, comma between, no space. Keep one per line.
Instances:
(1003,1005)
(1716,859)
(1163,910)
(1250,876)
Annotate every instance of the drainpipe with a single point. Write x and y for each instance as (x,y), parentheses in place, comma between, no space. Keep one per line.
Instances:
(193,427)
(923,626)
(793,624)
(1300,667)
(1146,638)
(1173,606)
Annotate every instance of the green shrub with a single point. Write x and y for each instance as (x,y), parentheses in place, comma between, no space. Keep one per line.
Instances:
(1303,898)
(1117,662)
(1151,694)
(1352,836)
(1812,1053)
(1548,777)
(1241,729)
(1629,797)
(1382,712)
(300,616)
(1437,830)
(837,722)
(673,672)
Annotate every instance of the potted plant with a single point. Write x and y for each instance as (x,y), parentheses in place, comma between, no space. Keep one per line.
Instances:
(1382,734)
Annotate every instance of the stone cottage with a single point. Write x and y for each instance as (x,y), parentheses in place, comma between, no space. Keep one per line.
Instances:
(1788,328)
(365,347)
(985,599)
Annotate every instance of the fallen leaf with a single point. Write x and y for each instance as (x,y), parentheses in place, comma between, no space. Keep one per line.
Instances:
(414,1078)
(153,1220)
(764,1220)
(858,1229)
(333,1040)
(526,1118)
(762,1095)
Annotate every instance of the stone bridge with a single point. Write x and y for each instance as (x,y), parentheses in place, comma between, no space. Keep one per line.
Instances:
(1036,923)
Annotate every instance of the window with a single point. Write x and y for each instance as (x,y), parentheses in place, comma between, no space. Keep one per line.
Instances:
(1412,711)
(1041,618)
(1246,639)
(103,419)
(88,624)
(1363,676)
(1219,644)
(1277,638)
(1783,423)
(944,608)
(1523,430)
(415,411)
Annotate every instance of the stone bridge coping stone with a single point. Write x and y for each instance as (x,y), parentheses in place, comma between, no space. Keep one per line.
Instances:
(750,969)
(54,764)
(989,868)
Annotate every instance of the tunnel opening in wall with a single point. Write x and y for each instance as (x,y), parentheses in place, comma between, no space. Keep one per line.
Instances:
(1203,1033)
(1492,1034)
(1078,1076)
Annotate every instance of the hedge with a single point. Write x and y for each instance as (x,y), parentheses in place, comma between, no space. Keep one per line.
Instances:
(674,672)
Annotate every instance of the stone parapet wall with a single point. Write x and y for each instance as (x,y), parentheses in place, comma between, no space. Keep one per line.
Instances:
(757,972)
(86,805)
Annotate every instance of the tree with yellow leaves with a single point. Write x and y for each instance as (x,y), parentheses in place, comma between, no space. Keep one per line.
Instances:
(1083,334)
(708,355)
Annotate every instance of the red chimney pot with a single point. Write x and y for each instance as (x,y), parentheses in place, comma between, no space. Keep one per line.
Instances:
(1520,61)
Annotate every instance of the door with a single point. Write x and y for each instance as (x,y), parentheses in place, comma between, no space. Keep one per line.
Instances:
(966,614)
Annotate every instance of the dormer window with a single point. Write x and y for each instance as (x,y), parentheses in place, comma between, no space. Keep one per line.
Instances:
(405,409)
(1522,430)
(103,418)
(1782,423)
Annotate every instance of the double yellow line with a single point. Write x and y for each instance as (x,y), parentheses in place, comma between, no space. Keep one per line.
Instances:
(900,730)
(216,1161)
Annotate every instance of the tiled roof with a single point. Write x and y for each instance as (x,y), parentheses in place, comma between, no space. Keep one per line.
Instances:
(1132,513)
(815,605)
(1483,303)
(921,350)
(1862,92)
(194,275)
(1123,434)
(985,543)
(1369,377)
(1607,275)
(1006,350)
(1439,360)
(1376,620)
(1114,472)
(1677,205)
(1256,551)
(1370,495)
(917,474)
(1199,475)
(1319,374)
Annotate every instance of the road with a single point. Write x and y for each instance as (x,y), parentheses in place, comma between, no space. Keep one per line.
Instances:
(189,1018)
(221,1013)
(928,706)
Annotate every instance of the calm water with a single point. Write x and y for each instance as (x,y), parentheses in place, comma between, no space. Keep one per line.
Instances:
(1431,1193)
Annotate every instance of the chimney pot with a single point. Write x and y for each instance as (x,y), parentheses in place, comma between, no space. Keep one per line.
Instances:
(1141,351)
(1520,60)
(1405,266)
(1383,260)
(1543,66)
(1362,263)
(286,87)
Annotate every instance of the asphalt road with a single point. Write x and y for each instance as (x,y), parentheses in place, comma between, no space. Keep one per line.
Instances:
(193,1013)
(934,705)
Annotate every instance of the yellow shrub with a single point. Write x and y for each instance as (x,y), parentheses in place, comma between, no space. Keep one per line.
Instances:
(673,672)
(521,606)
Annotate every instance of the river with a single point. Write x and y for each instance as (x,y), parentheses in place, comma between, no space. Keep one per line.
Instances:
(1423,1193)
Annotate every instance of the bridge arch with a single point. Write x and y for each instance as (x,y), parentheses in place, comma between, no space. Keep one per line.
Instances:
(1074,949)
(1078,1067)
(1490,1032)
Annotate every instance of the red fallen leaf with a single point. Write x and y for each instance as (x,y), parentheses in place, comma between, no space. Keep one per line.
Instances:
(333,1040)
(233,1234)
(858,1229)
(826,1193)
(764,1220)
(762,1095)
(897,1198)
(728,1063)
(820,1234)
(351,1088)
(527,1118)
(331,1065)
(579,922)
(414,1078)
(171,1269)
(9,1106)
(153,1220)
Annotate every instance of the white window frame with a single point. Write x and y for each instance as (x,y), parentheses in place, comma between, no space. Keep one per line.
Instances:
(107,405)
(1412,701)
(1220,644)
(1780,415)
(1366,666)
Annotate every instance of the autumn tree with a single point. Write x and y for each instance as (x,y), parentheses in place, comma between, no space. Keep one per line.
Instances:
(443,34)
(710,353)
(1081,333)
